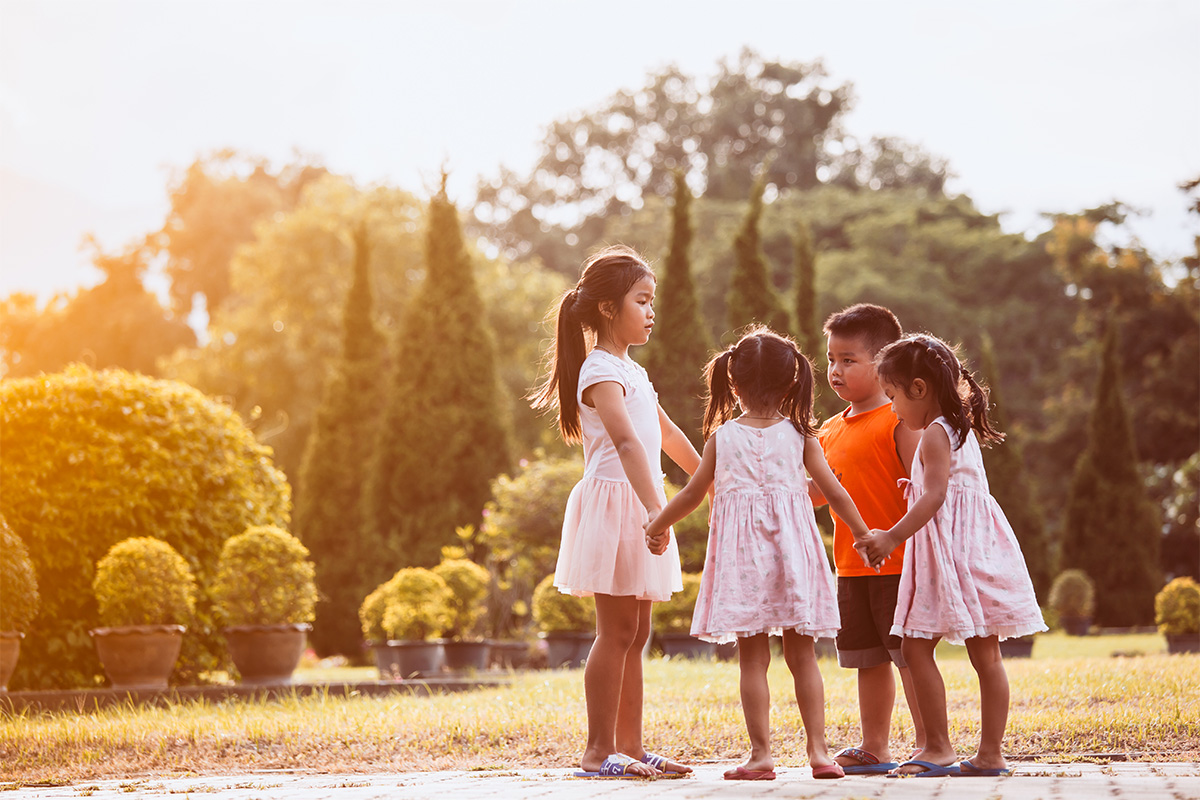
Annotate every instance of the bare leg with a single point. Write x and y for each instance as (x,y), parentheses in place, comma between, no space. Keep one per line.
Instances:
(910,694)
(629,712)
(876,696)
(617,623)
(754,656)
(993,701)
(810,694)
(931,698)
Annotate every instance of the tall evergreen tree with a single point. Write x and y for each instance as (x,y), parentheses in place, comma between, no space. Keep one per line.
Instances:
(751,297)
(1009,482)
(443,437)
(329,511)
(804,263)
(680,344)
(1112,531)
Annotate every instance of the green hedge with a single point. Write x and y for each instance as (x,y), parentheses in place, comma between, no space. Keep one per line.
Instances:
(91,458)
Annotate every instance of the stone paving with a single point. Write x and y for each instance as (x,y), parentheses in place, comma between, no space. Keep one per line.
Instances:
(1029,781)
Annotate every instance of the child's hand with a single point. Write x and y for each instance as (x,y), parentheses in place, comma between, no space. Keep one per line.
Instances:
(860,546)
(876,548)
(657,538)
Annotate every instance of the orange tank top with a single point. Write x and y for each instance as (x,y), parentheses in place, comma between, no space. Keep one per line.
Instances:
(861,451)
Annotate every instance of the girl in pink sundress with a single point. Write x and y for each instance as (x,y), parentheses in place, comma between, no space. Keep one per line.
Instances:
(605,399)
(964,578)
(765,571)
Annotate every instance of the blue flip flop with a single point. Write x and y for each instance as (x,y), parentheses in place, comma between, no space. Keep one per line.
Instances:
(969,770)
(931,770)
(614,766)
(869,763)
(660,764)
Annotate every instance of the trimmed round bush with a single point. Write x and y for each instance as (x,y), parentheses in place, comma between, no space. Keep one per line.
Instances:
(1177,607)
(18,582)
(555,612)
(95,457)
(468,584)
(143,581)
(413,605)
(1073,594)
(264,577)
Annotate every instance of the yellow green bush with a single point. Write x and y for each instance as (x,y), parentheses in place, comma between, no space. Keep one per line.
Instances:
(18,582)
(143,581)
(95,457)
(264,577)
(1177,607)
(555,612)
(413,604)
(468,584)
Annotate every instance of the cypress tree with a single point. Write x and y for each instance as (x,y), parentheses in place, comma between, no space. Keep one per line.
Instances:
(443,438)
(752,298)
(328,517)
(1112,531)
(680,344)
(1009,483)
(808,330)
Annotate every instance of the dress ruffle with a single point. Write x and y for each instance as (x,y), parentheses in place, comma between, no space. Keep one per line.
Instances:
(603,549)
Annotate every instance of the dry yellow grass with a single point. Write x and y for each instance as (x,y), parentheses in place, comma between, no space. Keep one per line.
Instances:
(1062,709)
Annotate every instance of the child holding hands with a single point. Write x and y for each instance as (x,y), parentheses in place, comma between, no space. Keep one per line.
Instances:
(964,578)
(765,572)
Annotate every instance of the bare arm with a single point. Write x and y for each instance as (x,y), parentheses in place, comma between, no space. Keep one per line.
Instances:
(676,445)
(906,444)
(685,501)
(831,489)
(608,398)
(934,452)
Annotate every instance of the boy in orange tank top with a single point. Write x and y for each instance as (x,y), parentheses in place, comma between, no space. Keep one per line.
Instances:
(869,451)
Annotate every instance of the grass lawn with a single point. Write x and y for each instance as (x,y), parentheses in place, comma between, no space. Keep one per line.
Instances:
(1072,700)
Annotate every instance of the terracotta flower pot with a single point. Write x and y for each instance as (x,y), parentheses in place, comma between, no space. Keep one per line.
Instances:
(138,657)
(464,655)
(10,650)
(567,648)
(266,654)
(684,645)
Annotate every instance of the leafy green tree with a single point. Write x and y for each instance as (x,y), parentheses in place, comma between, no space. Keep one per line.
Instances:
(679,348)
(328,516)
(1112,531)
(117,323)
(1010,485)
(443,439)
(215,205)
(752,297)
(804,292)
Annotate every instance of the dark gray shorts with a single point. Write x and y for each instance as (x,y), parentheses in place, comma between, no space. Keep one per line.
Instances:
(867,605)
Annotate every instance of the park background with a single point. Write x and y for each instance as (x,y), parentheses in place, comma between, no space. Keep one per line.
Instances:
(191,190)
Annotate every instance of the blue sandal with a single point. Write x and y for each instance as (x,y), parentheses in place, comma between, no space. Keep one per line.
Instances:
(932,770)
(614,766)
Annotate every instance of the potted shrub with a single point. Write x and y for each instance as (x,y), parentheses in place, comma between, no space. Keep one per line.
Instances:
(673,622)
(463,647)
(402,621)
(146,595)
(567,624)
(265,593)
(1073,598)
(19,605)
(1177,613)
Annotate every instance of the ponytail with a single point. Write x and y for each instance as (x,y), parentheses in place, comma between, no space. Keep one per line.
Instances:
(561,386)
(797,404)
(719,407)
(977,405)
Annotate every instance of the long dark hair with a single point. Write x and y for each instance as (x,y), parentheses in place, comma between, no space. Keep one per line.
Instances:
(766,369)
(963,400)
(608,275)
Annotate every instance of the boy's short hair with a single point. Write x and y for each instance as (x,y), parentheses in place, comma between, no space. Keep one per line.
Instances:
(875,325)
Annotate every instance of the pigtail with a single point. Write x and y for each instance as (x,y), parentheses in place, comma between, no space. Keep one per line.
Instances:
(797,404)
(566,356)
(946,376)
(720,404)
(976,403)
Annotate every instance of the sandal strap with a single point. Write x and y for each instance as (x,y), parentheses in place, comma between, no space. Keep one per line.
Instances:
(858,754)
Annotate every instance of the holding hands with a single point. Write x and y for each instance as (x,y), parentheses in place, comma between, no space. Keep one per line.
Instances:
(876,547)
(657,535)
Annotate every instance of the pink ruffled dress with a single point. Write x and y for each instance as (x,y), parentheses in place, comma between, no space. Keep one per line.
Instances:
(603,549)
(964,575)
(765,570)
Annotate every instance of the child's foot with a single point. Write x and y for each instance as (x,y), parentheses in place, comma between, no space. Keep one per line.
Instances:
(747,773)
(936,757)
(860,760)
(664,764)
(593,763)
(982,763)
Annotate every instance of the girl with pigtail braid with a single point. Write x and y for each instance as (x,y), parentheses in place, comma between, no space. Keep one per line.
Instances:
(765,569)
(960,539)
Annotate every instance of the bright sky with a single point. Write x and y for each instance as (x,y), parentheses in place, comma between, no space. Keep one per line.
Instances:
(1039,105)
